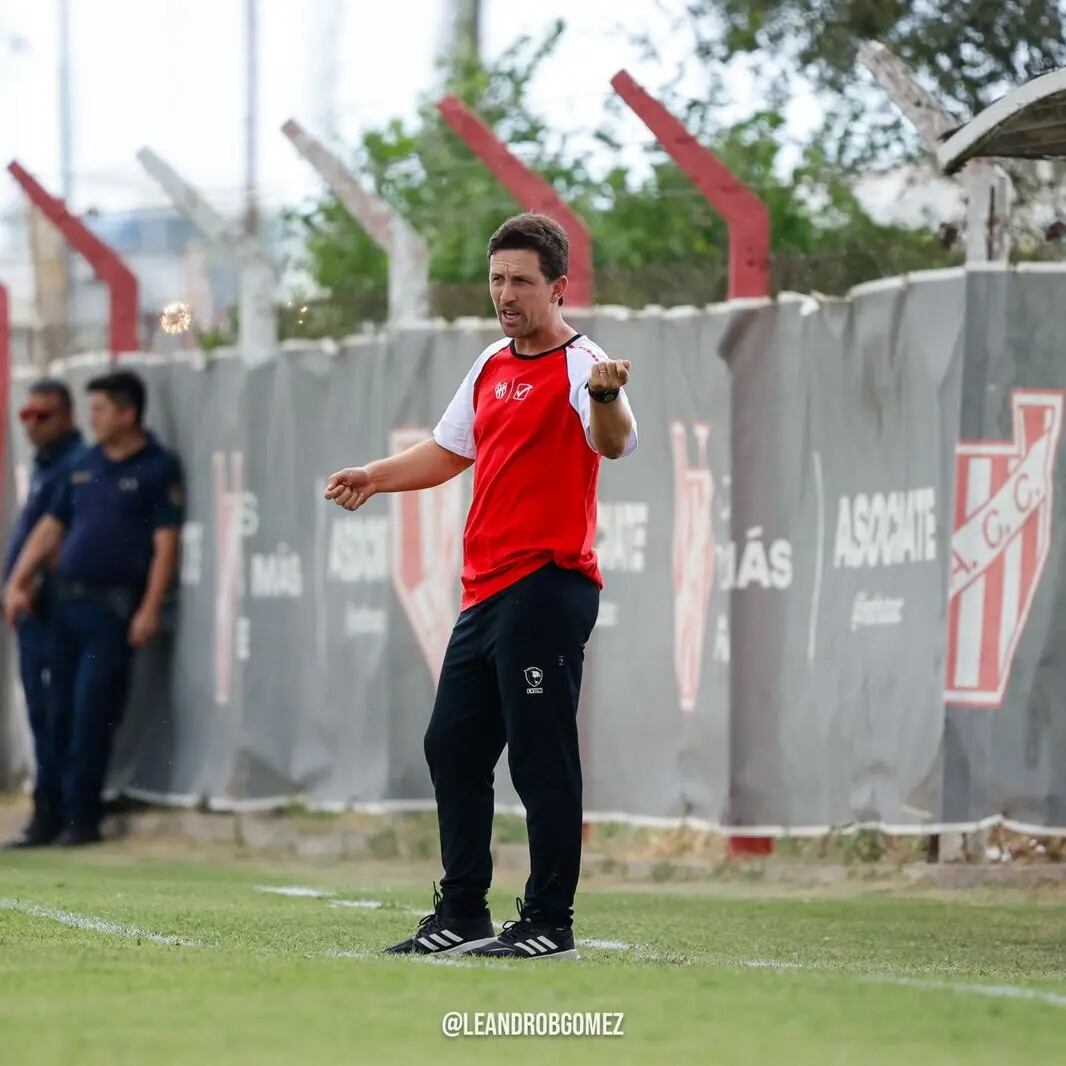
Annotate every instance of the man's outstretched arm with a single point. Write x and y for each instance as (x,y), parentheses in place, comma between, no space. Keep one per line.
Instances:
(421,467)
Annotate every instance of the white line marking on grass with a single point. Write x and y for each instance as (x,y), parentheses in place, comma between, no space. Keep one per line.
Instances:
(1037,995)
(429,960)
(295,890)
(606,945)
(448,960)
(364,904)
(96,925)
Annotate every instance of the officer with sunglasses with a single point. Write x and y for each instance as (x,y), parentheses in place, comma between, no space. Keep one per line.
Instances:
(116,523)
(48,421)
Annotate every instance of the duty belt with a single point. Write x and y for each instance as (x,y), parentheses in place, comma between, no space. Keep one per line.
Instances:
(121,599)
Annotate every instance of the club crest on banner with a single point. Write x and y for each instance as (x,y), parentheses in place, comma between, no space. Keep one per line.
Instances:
(1001,539)
(427,535)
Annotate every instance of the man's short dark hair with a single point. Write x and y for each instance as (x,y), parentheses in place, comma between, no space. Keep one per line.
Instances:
(539,234)
(122,387)
(53,387)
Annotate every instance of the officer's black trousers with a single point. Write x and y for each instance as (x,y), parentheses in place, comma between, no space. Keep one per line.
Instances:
(91,659)
(512,674)
(34,643)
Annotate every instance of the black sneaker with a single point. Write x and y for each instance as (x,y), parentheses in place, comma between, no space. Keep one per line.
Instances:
(530,938)
(440,935)
(38,834)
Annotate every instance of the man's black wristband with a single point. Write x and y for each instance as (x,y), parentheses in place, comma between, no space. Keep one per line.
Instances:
(604,395)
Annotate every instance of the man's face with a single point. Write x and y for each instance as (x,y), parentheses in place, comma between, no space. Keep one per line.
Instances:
(522,295)
(45,419)
(107,418)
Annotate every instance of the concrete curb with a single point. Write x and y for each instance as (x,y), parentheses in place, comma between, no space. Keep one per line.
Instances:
(368,838)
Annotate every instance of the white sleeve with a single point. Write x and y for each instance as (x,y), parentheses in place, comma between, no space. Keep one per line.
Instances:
(579,359)
(455,430)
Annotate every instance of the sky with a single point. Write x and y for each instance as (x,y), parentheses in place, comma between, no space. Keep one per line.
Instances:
(170,74)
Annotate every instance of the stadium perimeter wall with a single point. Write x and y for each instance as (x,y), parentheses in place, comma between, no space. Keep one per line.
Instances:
(835,590)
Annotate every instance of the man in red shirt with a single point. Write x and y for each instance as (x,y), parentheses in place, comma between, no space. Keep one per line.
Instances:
(534,416)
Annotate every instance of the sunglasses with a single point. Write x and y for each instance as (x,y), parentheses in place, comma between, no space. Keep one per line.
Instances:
(37,414)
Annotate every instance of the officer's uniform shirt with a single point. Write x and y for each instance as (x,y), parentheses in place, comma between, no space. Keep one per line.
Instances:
(111,511)
(50,466)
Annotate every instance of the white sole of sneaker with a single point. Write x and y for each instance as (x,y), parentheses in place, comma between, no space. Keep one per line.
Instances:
(570,954)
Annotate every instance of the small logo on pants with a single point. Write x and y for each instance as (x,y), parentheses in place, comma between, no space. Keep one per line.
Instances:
(534,676)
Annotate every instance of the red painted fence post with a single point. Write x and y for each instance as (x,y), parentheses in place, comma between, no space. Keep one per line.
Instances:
(748,223)
(5,347)
(106,263)
(744,213)
(529,189)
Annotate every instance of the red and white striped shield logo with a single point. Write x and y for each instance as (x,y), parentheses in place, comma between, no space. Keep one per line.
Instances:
(1003,505)
(693,559)
(427,535)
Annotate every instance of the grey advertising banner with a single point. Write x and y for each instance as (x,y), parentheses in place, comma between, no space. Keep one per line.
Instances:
(833,593)
(845,418)
(302,657)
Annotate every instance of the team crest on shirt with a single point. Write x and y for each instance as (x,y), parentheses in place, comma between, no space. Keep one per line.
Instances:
(534,676)
(501,390)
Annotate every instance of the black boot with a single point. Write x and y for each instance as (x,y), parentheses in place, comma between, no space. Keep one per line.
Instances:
(76,836)
(39,833)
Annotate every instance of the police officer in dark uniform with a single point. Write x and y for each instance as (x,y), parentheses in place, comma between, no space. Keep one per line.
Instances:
(116,520)
(48,418)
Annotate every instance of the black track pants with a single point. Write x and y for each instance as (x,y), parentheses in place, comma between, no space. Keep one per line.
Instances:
(512,674)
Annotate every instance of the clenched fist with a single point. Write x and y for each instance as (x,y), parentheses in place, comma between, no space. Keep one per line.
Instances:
(609,375)
(350,488)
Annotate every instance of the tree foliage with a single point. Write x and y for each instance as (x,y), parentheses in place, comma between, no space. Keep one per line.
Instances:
(970,52)
(655,239)
(429,175)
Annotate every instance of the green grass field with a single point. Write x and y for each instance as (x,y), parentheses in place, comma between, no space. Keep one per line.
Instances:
(107,957)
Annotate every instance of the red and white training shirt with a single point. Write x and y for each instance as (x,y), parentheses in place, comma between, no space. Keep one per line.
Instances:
(524,420)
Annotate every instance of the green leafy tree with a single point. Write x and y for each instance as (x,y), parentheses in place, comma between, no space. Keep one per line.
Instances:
(662,242)
(429,175)
(969,51)
(655,239)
